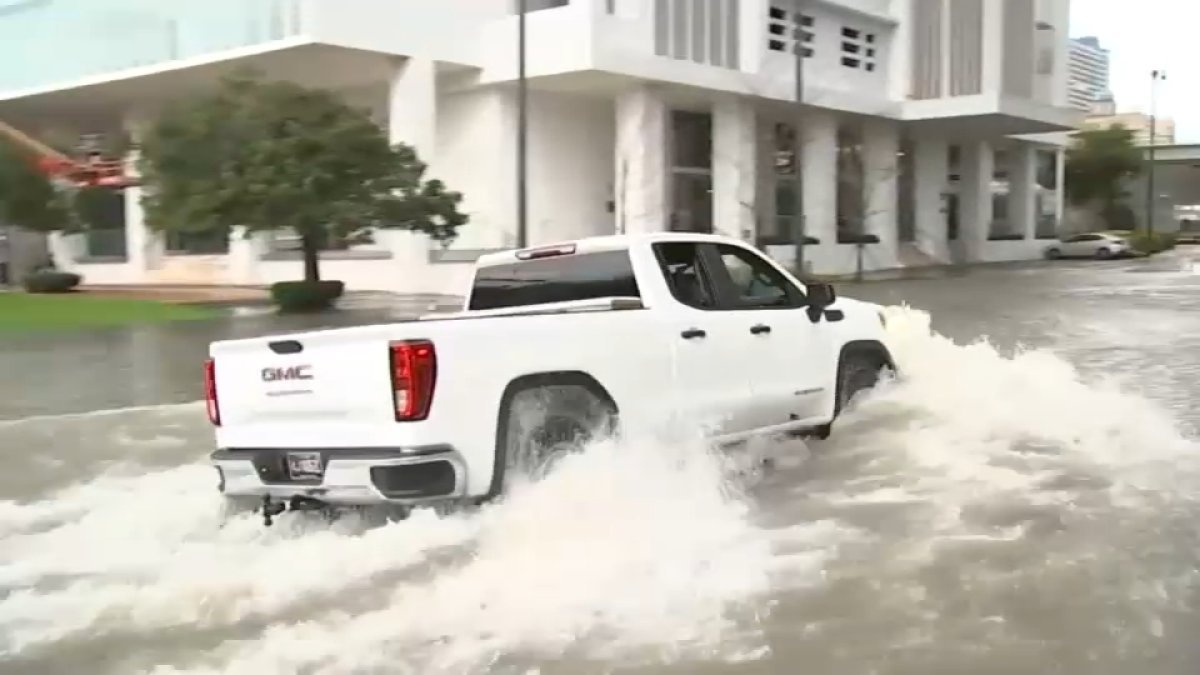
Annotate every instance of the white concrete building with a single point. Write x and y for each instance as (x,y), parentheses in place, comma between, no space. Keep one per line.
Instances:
(1088,74)
(930,123)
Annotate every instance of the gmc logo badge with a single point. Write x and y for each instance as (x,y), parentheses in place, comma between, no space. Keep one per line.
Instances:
(286,374)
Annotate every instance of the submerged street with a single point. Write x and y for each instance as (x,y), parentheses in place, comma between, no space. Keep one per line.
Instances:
(1025,499)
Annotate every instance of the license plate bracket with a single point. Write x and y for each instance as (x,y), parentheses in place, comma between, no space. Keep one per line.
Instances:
(304,465)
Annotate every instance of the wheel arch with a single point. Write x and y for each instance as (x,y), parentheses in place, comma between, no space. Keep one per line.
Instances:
(535,381)
(858,348)
(866,348)
(854,348)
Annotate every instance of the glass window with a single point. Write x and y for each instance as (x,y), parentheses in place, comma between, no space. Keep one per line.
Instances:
(756,282)
(198,243)
(785,149)
(65,40)
(693,207)
(565,278)
(692,136)
(850,183)
(683,271)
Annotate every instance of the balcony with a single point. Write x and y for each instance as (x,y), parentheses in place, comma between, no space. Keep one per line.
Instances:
(48,43)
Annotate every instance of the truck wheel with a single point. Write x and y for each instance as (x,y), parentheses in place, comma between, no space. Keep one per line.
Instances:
(545,423)
(857,372)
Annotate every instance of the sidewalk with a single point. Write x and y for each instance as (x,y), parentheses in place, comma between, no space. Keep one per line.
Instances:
(180,294)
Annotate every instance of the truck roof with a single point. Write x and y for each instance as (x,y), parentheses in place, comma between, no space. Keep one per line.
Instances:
(610,242)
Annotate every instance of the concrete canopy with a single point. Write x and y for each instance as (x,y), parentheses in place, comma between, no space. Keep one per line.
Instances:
(107,104)
(987,116)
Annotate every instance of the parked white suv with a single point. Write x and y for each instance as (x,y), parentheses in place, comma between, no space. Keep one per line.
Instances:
(554,345)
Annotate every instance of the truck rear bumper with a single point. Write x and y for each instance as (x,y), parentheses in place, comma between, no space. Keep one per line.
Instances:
(344,476)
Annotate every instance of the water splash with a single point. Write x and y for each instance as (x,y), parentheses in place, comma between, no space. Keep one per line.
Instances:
(994,506)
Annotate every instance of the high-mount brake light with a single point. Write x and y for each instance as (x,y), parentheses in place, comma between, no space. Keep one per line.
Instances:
(414,374)
(546,252)
(210,392)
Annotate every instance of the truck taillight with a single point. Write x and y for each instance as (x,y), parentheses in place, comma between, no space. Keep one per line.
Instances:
(210,392)
(414,373)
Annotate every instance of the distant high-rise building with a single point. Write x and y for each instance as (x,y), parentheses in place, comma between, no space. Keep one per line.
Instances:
(1087,74)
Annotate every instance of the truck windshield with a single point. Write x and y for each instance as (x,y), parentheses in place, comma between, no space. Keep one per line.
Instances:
(567,278)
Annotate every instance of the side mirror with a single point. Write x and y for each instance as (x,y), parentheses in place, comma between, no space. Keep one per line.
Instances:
(821,295)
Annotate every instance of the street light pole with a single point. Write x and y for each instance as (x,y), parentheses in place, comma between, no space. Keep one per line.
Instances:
(1151,201)
(799,226)
(522,131)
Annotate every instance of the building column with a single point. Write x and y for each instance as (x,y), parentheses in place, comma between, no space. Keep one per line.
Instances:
(931,168)
(1022,179)
(1060,190)
(412,120)
(881,168)
(144,249)
(819,166)
(641,161)
(734,166)
(975,199)
(412,107)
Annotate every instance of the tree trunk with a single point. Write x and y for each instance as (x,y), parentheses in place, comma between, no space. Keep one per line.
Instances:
(312,257)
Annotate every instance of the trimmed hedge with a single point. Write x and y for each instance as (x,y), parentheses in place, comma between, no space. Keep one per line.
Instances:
(306,296)
(51,281)
(1145,242)
(1152,243)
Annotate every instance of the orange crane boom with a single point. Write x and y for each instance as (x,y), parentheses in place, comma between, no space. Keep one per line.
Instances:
(91,173)
(30,143)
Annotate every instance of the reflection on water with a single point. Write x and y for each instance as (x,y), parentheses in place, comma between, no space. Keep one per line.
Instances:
(48,373)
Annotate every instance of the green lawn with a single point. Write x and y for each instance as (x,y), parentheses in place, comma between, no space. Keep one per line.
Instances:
(21,311)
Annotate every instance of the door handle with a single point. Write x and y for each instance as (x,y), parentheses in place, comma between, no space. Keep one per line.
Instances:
(693,333)
(760,329)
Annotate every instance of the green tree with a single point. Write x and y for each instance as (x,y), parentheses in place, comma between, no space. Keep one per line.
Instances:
(1099,163)
(271,155)
(28,199)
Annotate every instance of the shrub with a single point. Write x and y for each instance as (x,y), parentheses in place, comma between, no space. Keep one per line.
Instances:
(306,296)
(1151,243)
(51,281)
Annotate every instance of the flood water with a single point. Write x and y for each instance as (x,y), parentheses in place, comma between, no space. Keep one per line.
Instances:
(1025,500)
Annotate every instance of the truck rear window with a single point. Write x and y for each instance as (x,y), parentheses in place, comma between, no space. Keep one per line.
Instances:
(585,276)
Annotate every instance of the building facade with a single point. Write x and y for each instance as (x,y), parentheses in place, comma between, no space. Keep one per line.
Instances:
(1139,124)
(1088,74)
(935,125)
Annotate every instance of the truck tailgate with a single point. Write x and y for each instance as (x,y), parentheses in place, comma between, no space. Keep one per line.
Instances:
(339,376)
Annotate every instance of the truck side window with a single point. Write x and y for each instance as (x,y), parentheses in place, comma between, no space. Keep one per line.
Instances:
(682,267)
(756,283)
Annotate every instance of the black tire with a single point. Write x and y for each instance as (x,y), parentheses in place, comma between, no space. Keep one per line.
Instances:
(857,372)
(545,423)
(1053,254)
(1104,253)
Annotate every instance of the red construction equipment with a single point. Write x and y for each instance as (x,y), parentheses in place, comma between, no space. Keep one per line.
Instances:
(91,171)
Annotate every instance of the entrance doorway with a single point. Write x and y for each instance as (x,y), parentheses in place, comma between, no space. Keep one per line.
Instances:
(691,203)
(691,172)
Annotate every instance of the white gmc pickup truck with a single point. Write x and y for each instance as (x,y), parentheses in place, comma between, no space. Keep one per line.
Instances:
(555,346)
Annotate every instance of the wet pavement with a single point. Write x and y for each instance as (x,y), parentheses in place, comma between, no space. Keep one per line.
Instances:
(1024,503)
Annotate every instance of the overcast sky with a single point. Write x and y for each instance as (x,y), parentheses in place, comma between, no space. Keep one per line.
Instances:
(1144,35)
